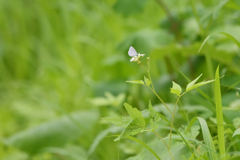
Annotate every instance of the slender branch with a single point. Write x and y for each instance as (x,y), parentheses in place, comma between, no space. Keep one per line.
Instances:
(161,101)
(153,90)
(164,143)
(173,115)
(184,111)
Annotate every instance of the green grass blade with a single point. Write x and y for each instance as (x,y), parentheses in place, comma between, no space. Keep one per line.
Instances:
(206,39)
(145,145)
(219,114)
(206,136)
(232,38)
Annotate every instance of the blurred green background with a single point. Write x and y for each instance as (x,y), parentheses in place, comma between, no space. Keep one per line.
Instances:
(64,63)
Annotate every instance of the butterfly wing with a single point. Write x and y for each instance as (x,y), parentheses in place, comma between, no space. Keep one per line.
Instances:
(132,52)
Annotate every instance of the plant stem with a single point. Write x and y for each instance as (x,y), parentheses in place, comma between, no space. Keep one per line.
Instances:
(153,90)
(161,100)
(184,112)
(173,115)
(164,143)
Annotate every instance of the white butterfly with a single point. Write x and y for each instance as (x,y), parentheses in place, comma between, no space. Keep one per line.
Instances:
(133,53)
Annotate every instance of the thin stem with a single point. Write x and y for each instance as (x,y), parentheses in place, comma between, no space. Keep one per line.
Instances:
(172,121)
(173,115)
(153,90)
(148,70)
(161,100)
(184,112)
(164,143)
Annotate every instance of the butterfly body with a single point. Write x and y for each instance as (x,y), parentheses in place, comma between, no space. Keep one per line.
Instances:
(133,53)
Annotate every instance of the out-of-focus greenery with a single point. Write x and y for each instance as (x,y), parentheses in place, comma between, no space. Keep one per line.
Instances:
(64,63)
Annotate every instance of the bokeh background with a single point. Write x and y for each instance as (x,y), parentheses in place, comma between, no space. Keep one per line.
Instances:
(64,65)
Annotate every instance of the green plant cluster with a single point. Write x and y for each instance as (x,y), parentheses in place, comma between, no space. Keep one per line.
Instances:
(64,67)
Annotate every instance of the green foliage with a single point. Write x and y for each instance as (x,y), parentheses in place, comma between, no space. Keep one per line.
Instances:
(118,121)
(127,8)
(192,84)
(236,132)
(176,89)
(54,134)
(147,81)
(155,117)
(64,64)
(136,81)
(135,115)
(219,114)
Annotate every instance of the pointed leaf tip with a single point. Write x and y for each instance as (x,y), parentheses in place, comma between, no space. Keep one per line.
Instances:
(236,132)
(147,81)
(191,84)
(136,81)
(176,89)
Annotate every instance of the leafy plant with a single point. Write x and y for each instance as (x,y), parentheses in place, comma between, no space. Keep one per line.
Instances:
(136,122)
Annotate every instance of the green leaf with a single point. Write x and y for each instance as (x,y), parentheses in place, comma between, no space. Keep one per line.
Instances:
(224,33)
(100,137)
(151,110)
(232,38)
(145,145)
(205,40)
(118,121)
(109,99)
(192,83)
(206,137)
(200,84)
(135,115)
(147,81)
(176,129)
(219,114)
(130,130)
(136,81)
(176,89)
(192,133)
(155,117)
(55,133)
(236,132)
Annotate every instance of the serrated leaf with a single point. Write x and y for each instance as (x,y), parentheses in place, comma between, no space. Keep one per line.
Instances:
(154,125)
(147,81)
(192,83)
(136,82)
(236,132)
(176,89)
(155,117)
(130,130)
(151,110)
(200,84)
(118,121)
(135,115)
